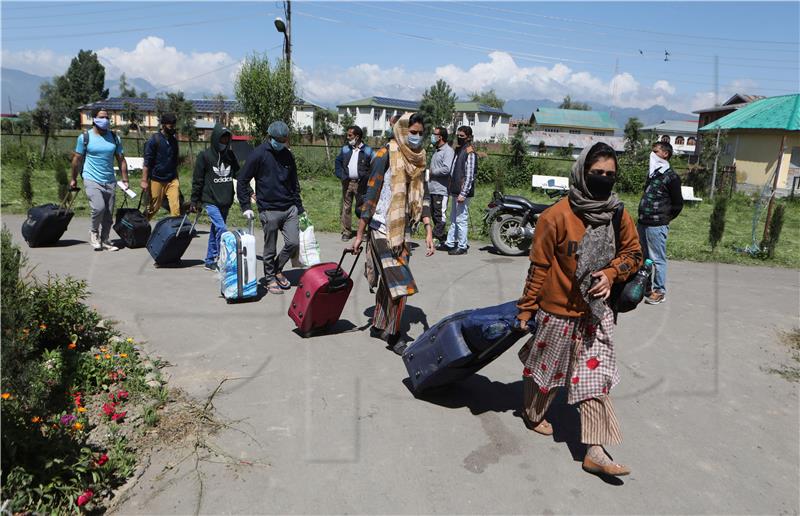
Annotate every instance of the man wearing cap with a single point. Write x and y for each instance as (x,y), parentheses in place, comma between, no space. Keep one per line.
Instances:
(278,201)
(160,169)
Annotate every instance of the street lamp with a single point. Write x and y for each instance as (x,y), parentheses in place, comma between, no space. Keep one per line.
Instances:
(281,27)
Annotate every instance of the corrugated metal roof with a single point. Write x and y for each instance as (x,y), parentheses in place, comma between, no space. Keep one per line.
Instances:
(574,118)
(413,105)
(149,104)
(735,102)
(673,126)
(578,141)
(782,113)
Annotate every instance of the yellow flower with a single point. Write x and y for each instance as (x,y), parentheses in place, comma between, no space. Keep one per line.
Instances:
(77,425)
(97,357)
(103,349)
(129,340)
(5,395)
(81,409)
(36,419)
(72,345)
(106,356)
(42,326)
(123,355)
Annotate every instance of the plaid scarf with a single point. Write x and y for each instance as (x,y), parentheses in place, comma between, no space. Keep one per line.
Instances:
(408,188)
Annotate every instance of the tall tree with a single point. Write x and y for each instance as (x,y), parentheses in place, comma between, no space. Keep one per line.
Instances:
(519,149)
(489,98)
(323,128)
(125,89)
(347,121)
(50,113)
(568,103)
(223,116)
(81,84)
(438,106)
(633,134)
(266,93)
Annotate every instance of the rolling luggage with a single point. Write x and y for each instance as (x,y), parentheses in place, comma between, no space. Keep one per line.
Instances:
(47,223)
(131,225)
(237,265)
(321,294)
(170,239)
(460,345)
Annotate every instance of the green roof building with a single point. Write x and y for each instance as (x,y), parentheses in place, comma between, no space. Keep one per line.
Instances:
(573,121)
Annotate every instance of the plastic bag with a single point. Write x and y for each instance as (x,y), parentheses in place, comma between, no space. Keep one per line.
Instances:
(309,253)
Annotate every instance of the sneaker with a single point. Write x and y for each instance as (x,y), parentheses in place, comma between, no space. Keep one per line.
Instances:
(109,246)
(457,251)
(443,247)
(211,266)
(346,236)
(94,241)
(655,298)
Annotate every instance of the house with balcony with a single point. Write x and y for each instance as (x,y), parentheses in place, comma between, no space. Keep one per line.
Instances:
(681,134)
(372,114)
(573,121)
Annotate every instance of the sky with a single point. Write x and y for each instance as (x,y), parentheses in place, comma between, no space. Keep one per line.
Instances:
(609,52)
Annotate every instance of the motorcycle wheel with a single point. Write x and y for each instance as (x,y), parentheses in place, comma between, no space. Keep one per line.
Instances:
(503,241)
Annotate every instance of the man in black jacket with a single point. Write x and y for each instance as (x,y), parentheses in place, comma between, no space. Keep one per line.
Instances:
(462,189)
(662,201)
(352,169)
(278,200)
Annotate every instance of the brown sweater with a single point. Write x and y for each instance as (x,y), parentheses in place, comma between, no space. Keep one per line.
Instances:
(551,281)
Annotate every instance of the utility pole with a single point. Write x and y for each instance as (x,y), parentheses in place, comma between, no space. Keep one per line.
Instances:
(286,29)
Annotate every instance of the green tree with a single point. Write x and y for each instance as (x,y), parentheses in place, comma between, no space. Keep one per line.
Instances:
(716,226)
(266,93)
(347,121)
(438,106)
(774,231)
(26,183)
(323,128)
(126,90)
(519,149)
(183,109)
(223,116)
(134,119)
(61,178)
(633,135)
(542,148)
(81,84)
(49,114)
(489,98)
(24,125)
(568,103)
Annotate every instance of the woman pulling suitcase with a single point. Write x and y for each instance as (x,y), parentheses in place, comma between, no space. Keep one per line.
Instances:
(574,262)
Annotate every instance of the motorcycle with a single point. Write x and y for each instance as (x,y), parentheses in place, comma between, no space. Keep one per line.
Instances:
(511,221)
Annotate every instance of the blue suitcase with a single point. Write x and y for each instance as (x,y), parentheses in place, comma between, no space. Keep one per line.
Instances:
(460,345)
(170,238)
(237,265)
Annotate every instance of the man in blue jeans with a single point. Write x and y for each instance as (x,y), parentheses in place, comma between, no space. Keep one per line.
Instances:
(462,189)
(662,201)
(212,185)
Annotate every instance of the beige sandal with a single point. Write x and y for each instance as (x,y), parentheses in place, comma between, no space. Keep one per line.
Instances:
(542,427)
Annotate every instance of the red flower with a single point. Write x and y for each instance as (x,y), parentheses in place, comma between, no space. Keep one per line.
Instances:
(118,416)
(558,376)
(109,409)
(527,372)
(544,366)
(85,497)
(102,460)
(122,395)
(575,379)
(544,390)
(592,363)
(541,344)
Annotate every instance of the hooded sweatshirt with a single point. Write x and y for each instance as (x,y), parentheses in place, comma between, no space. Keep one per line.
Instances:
(215,172)
(277,184)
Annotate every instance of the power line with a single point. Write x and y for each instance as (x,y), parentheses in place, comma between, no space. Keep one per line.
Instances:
(127,18)
(71,14)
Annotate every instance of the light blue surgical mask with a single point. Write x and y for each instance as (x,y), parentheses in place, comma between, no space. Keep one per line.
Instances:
(414,141)
(278,146)
(434,139)
(101,123)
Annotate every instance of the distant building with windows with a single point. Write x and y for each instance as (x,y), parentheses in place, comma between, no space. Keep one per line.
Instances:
(573,121)
(712,114)
(681,134)
(372,114)
(546,143)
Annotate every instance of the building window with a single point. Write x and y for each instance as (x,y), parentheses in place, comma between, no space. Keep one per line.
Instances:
(679,140)
(378,116)
(551,130)
(574,131)
(665,139)
(471,122)
(691,141)
(494,121)
(599,133)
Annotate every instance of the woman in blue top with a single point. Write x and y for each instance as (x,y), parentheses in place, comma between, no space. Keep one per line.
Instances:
(96,153)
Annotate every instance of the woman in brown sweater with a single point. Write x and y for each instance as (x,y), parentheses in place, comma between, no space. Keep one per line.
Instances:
(574,262)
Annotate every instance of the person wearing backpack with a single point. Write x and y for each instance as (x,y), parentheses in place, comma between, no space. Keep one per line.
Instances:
(93,157)
(215,171)
(575,260)
(160,170)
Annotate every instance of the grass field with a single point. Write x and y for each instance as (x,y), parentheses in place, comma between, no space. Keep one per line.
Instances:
(688,239)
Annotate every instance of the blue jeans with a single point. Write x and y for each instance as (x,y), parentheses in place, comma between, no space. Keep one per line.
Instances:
(654,246)
(459,223)
(218,217)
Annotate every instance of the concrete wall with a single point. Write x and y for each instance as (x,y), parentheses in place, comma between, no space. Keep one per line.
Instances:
(756,156)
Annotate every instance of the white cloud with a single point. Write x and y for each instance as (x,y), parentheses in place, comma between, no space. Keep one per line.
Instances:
(37,62)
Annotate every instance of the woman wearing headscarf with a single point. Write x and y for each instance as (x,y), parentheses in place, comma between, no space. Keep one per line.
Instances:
(574,262)
(396,197)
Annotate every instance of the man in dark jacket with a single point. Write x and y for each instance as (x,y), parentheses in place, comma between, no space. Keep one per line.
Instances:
(160,169)
(462,189)
(278,200)
(212,185)
(662,201)
(352,169)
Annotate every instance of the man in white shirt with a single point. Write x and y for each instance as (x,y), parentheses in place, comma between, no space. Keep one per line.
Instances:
(352,167)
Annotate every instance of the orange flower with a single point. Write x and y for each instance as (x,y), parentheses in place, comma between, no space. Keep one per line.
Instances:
(81,409)
(36,419)
(107,356)
(72,345)
(78,425)
(123,355)
(42,326)
(5,395)
(97,357)
(26,331)
(103,349)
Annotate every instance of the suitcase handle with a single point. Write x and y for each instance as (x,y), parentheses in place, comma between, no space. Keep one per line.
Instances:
(335,275)
(183,221)
(74,193)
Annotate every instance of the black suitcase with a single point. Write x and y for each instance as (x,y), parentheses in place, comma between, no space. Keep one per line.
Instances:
(47,223)
(170,238)
(131,225)
(460,345)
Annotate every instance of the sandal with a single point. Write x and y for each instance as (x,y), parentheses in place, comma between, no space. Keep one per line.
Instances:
(274,288)
(542,427)
(282,281)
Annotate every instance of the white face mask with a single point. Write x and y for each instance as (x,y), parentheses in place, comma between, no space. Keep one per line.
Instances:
(352,142)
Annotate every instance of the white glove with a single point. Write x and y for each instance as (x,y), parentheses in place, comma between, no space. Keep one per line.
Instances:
(248,214)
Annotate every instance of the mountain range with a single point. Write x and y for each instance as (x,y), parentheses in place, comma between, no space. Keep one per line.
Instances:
(20,92)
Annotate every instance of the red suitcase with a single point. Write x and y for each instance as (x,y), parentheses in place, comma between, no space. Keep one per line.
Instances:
(321,294)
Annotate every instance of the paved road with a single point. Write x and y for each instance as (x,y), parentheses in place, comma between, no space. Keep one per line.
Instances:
(707,428)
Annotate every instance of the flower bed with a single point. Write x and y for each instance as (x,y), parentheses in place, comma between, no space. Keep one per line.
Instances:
(75,395)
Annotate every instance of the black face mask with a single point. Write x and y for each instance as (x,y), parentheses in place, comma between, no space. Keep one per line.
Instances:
(169,132)
(600,186)
(461,141)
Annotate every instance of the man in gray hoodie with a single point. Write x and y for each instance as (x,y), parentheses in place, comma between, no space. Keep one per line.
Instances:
(441,162)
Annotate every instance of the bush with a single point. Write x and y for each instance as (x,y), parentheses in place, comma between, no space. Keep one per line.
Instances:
(774,232)
(312,167)
(26,186)
(717,222)
(632,174)
(62,180)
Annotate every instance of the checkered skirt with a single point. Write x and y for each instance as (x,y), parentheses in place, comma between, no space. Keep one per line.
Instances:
(570,352)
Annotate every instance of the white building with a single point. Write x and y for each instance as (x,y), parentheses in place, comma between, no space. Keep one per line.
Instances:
(372,115)
(682,135)
(542,143)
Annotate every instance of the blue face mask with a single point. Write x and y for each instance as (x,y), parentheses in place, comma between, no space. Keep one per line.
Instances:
(414,141)
(434,139)
(101,123)
(278,146)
